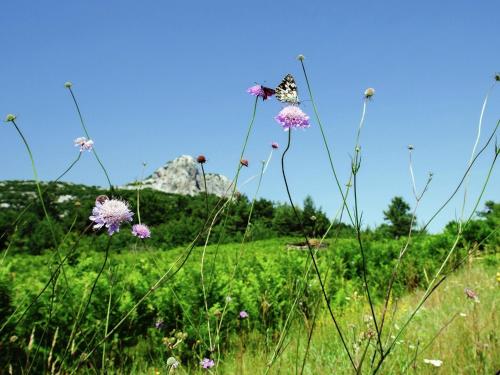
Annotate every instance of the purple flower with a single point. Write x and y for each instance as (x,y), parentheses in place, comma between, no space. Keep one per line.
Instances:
(141,231)
(84,144)
(471,294)
(256,90)
(244,314)
(292,117)
(207,363)
(110,213)
(274,145)
(159,324)
(261,91)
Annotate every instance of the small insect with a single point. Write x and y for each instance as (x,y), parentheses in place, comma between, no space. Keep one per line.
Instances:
(286,92)
(267,92)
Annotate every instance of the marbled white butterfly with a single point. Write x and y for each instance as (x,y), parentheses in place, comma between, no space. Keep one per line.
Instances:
(286,92)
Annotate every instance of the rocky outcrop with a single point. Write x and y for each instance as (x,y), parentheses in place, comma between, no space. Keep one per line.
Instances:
(183,176)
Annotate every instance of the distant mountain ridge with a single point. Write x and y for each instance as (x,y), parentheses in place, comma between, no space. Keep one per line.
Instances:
(184,176)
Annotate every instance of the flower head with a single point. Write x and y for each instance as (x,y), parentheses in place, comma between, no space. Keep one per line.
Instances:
(275,146)
(369,92)
(172,362)
(141,231)
(110,213)
(244,162)
(256,90)
(292,117)
(471,294)
(10,118)
(159,324)
(261,91)
(244,314)
(207,363)
(300,57)
(84,143)
(497,76)
(201,159)
(434,362)
(68,84)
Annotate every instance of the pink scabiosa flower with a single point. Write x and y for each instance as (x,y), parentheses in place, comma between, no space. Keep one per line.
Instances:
(292,117)
(140,230)
(207,363)
(84,144)
(261,91)
(256,90)
(243,314)
(471,294)
(275,146)
(110,213)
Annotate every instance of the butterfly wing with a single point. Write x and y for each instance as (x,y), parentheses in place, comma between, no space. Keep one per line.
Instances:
(286,92)
(267,92)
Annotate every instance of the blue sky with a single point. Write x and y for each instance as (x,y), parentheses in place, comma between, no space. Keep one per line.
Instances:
(159,79)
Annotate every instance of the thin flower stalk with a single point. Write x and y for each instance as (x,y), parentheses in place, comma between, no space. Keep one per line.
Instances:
(478,136)
(88,136)
(311,253)
(325,142)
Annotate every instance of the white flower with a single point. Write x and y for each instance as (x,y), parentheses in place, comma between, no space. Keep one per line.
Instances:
(434,362)
(84,143)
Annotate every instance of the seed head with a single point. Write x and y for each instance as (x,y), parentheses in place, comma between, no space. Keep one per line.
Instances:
(68,84)
(410,147)
(201,159)
(10,118)
(300,57)
(369,92)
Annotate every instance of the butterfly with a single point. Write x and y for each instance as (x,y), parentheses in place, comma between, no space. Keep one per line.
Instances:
(266,92)
(286,92)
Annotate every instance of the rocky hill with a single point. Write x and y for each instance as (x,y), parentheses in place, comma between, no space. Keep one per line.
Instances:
(183,176)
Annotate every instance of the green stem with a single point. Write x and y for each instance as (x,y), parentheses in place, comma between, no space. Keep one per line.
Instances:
(311,253)
(325,142)
(88,136)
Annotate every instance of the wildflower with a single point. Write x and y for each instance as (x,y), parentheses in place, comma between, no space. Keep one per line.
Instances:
(228,299)
(292,117)
(207,363)
(410,147)
(434,362)
(84,143)
(10,117)
(244,314)
(256,90)
(68,84)
(300,57)
(463,315)
(201,159)
(140,230)
(261,91)
(172,362)
(275,146)
(159,324)
(110,213)
(471,294)
(244,162)
(369,92)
